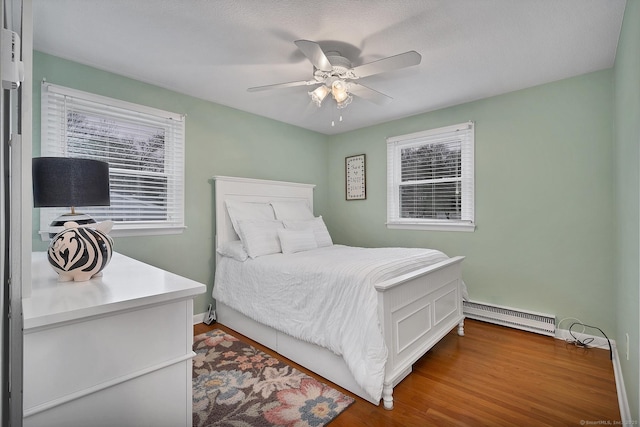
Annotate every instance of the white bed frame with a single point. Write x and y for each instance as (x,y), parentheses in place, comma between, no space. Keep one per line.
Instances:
(416,310)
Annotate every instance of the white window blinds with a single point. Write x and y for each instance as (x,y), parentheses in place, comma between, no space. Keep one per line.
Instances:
(143,146)
(430,179)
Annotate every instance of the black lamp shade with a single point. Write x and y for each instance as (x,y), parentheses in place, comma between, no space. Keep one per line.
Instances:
(66,182)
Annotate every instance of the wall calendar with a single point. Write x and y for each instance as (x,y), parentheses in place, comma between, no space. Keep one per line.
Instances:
(355,177)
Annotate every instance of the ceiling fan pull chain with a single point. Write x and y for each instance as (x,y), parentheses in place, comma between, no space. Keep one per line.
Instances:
(333,122)
(333,117)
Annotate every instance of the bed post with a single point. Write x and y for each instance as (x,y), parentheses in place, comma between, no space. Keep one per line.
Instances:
(461,328)
(387,395)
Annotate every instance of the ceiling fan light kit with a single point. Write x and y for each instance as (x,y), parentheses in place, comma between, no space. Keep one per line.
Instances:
(340,93)
(319,94)
(334,73)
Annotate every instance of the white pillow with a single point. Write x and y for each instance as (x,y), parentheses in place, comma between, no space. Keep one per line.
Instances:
(260,237)
(248,211)
(233,249)
(293,241)
(323,238)
(292,210)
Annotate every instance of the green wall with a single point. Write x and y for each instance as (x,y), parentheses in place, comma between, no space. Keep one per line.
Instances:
(543,178)
(219,141)
(627,200)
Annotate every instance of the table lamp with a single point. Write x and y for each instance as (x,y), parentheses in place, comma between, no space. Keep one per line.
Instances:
(70,182)
(80,248)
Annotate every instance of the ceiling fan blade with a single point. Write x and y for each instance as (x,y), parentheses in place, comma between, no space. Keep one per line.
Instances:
(369,94)
(283,85)
(395,62)
(314,53)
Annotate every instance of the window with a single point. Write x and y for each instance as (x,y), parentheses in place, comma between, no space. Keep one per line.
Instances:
(430,179)
(143,146)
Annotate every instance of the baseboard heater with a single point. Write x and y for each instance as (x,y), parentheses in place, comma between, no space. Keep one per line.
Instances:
(544,324)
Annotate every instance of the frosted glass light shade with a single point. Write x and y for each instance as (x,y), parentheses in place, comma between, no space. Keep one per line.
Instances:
(319,94)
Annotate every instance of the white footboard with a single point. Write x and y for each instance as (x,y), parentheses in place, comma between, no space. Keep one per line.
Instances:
(416,311)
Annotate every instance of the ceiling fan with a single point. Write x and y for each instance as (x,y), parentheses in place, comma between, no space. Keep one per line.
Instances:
(336,76)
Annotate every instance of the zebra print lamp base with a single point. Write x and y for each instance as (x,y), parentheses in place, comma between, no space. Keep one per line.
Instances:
(79,253)
(57,225)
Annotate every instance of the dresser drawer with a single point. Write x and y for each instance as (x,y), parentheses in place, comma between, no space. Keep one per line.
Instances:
(128,404)
(65,359)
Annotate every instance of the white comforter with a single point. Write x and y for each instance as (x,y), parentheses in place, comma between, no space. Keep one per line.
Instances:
(325,296)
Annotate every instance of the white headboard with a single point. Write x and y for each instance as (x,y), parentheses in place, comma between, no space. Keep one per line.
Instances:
(252,190)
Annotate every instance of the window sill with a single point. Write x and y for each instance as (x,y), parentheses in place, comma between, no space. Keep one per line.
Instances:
(449,226)
(131,232)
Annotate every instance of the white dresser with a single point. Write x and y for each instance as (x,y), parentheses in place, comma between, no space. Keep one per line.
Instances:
(112,351)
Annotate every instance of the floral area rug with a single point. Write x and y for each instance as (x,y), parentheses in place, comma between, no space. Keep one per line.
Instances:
(235,384)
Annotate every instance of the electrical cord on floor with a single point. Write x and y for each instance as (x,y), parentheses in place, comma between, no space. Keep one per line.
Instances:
(585,342)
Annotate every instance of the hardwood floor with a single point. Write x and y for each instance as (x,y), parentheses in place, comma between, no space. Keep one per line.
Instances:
(493,376)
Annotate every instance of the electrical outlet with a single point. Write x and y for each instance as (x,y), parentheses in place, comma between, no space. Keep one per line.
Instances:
(627,337)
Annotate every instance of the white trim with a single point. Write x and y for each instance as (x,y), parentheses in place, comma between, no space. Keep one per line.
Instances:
(61,90)
(198,318)
(129,232)
(601,342)
(432,226)
(623,401)
(425,133)
(598,342)
(146,231)
(447,135)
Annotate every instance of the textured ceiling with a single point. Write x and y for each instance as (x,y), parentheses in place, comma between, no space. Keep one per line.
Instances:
(216,49)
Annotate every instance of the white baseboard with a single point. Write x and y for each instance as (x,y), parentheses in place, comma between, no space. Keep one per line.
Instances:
(598,342)
(601,342)
(198,318)
(623,402)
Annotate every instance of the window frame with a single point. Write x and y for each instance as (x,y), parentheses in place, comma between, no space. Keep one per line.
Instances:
(395,145)
(54,144)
